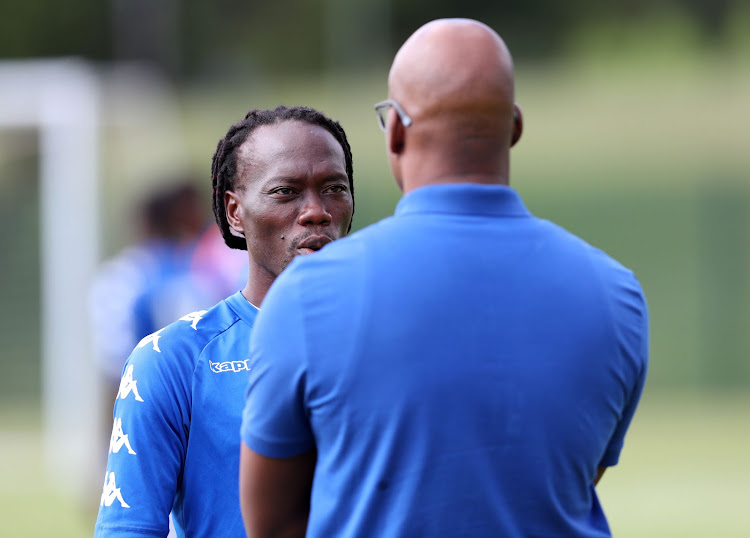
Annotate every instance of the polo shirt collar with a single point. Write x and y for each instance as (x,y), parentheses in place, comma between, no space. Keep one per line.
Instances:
(463,199)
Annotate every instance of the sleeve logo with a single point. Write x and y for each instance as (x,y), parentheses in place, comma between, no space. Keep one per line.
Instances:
(152,339)
(194,318)
(128,385)
(111,492)
(119,438)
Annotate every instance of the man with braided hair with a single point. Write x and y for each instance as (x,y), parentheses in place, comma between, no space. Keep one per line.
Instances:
(282,186)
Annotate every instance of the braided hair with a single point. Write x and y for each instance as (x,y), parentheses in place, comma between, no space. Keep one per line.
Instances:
(224,161)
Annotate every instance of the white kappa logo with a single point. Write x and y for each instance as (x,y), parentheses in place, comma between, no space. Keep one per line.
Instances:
(128,385)
(119,438)
(111,492)
(194,317)
(152,339)
(229,366)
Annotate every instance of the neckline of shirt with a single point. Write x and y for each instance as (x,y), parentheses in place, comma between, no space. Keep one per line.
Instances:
(242,307)
(464,198)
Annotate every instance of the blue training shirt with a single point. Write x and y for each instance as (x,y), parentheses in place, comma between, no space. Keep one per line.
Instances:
(462,368)
(174,442)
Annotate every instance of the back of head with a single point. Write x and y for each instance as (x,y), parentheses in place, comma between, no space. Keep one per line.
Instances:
(454,78)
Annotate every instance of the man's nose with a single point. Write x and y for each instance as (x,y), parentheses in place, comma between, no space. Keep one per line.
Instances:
(314,211)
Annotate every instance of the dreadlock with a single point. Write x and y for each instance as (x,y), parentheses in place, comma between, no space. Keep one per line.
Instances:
(224,162)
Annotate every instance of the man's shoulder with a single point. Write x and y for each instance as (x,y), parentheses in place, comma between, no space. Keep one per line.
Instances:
(569,240)
(184,340)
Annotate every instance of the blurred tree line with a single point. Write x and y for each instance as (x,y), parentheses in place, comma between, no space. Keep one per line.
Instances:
(198,39)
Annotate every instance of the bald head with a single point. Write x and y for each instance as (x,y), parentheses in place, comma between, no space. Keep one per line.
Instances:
(453,66)
(454,77)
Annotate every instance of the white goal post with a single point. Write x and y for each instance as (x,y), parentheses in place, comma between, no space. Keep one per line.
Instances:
(61,99)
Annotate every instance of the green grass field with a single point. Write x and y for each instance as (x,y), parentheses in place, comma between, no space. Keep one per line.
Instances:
(684,473)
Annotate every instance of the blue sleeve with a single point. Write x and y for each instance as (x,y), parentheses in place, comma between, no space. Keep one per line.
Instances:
(148,443)
(275,422)
(635,341)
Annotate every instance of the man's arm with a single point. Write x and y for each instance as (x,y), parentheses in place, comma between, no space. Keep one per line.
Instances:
(147,446)
(275,494)
(632,313)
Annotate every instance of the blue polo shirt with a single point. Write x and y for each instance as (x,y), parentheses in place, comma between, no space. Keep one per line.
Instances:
(462,369)
(174,441)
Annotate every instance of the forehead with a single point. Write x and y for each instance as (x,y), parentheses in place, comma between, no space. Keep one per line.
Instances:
(289,147)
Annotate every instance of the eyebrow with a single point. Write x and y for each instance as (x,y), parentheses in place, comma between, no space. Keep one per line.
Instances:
(294,179)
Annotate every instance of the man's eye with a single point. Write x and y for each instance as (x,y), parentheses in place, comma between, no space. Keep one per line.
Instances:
(284,191)
(335,189)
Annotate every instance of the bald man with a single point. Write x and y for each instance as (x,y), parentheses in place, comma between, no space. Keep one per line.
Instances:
(461,368)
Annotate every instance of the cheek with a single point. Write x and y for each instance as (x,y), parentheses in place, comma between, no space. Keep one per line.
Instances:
(266,231)
(278,221)
(268,249)
(262,233)
(343,215)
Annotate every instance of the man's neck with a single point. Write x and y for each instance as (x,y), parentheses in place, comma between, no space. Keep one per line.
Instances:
(256,288)
(429,168)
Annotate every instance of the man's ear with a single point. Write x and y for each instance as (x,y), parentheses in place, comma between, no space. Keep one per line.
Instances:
(233,210)
(517,125)
(395,132)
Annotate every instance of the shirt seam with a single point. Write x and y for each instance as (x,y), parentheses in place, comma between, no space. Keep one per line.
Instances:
(138,530)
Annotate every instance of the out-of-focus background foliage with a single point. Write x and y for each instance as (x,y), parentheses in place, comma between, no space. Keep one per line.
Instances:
(636,138)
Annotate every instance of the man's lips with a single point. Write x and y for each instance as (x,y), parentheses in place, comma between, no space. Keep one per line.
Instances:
(313,243)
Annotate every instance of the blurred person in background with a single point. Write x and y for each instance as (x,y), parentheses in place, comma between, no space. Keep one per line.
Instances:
(167,273)
(466,369)
(282,186)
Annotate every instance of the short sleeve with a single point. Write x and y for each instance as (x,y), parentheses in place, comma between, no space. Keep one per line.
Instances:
(639,328)
(275,420)
(147,446)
